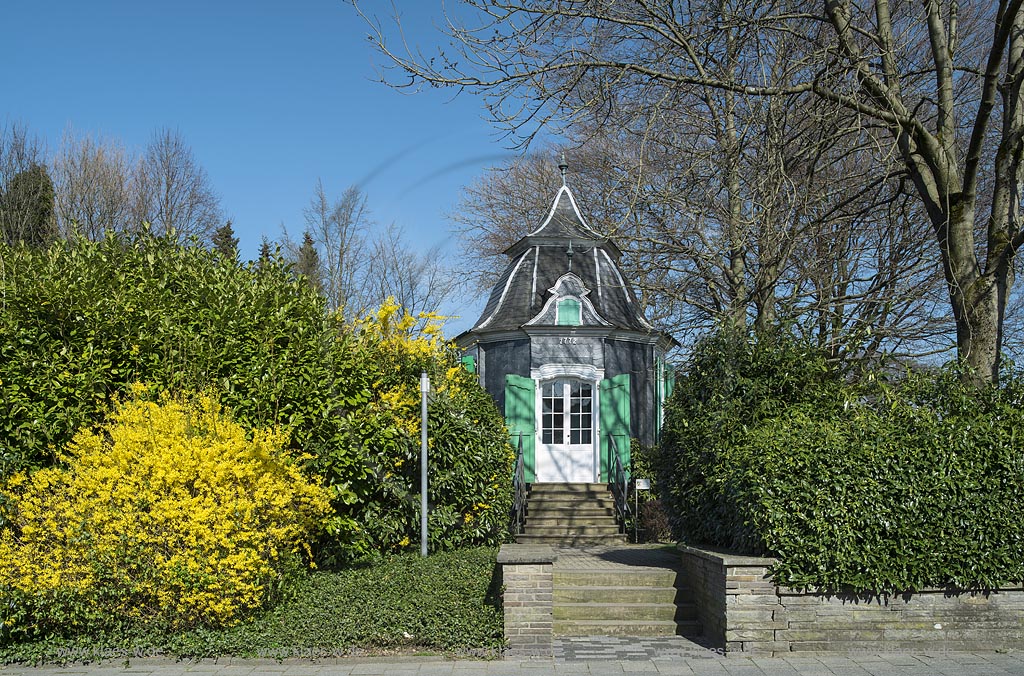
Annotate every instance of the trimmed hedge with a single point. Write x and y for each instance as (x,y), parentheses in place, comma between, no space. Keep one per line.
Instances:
(448,602)
(859,486)
(81,321)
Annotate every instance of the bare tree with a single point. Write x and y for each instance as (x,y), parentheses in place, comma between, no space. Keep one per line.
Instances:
(338,230)
(418,280)
(94,184)
(173,190)
(940,79)
(359,269)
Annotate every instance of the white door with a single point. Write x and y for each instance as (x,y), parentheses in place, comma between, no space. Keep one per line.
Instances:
(566,448)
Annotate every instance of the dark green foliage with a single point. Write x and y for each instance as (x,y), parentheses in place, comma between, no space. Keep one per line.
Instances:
(307,262)
(266,252)
(447,603)
(863,487)
(731,384)
(224,242)
(80,321)
(27,212)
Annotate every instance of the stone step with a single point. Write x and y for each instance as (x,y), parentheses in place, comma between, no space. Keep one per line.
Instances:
(624,612)
(633,628)
(571,540)
(603,529)
(569,521)
(541,510)
(569,503)
(568,488)
(631,577)
(620,594)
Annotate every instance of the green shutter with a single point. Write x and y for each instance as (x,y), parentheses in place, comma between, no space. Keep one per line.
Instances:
(520,399)
(666,382)
(469,363)
(614,421)
(568,312)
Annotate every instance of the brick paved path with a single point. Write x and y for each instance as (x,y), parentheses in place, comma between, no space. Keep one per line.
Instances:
(710,664)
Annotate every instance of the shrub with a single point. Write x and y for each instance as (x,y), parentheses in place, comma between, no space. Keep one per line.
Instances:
(446,602)
(852,486)
(169,515)
(81,321)
(732,383)
(469,457)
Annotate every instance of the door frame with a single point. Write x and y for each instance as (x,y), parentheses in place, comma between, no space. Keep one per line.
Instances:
(582,372)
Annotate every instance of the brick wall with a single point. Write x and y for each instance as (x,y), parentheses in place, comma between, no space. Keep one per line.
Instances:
(526,572)
(743,611)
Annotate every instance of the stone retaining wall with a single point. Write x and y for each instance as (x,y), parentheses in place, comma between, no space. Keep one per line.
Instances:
(526,572)
(741,610)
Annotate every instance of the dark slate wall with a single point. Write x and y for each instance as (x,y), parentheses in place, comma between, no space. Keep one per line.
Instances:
(499,358)
(638,361)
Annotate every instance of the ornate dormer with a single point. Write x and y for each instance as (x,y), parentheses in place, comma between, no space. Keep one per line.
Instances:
(568,305)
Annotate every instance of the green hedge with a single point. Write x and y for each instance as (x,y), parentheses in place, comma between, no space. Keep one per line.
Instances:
(854,486)
(81,321)
(448,602)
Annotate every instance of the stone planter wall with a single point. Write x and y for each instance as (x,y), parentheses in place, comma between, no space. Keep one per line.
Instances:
(743,611)
(526,572)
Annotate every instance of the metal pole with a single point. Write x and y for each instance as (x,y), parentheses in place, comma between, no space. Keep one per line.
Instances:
(424,390)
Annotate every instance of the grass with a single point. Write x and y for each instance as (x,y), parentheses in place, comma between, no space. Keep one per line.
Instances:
(448,603)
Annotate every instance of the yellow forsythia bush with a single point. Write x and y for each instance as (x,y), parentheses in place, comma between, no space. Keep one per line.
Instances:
(170,514)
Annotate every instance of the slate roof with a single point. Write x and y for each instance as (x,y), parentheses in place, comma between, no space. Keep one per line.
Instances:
(540,259)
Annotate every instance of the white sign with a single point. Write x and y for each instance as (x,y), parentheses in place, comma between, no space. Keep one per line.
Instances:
(643,484)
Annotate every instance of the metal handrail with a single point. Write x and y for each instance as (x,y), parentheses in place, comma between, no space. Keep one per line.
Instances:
(620,487)
(518,516)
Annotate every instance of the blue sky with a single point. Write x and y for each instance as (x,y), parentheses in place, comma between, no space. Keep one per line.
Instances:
(269,95)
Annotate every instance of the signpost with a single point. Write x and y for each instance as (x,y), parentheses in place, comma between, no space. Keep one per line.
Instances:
(638,485)
(424,391)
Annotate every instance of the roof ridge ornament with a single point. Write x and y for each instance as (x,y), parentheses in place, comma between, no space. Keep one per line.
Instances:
(562,169)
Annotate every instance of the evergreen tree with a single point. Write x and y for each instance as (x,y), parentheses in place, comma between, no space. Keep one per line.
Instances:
(225,243)
(307,262)
(265,252)
(27,211)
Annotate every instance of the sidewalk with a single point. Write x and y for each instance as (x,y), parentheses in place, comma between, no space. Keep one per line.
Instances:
(710,663)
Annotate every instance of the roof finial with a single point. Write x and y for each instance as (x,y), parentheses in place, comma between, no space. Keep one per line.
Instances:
(570,252)
(562,168)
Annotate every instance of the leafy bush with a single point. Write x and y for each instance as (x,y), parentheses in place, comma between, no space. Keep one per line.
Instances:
(447,602)
(81,320)
(863,487)
(732,384)
(169,514)
(469,457)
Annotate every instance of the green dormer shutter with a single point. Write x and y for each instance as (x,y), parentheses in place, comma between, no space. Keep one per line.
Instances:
(568,312)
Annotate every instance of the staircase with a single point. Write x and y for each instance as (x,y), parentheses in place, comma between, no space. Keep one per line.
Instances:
(621,591)
(570,515)
(601,585)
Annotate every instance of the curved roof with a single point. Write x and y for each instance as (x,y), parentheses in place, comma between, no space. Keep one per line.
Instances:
(562,244)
